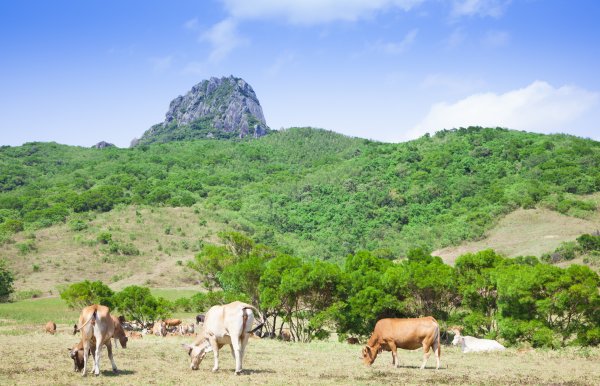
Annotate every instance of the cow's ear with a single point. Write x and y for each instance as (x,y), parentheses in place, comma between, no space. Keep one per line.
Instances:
(188,348)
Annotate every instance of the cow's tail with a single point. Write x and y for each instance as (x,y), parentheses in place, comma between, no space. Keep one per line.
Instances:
(261,322)
(437,343)
(91,319)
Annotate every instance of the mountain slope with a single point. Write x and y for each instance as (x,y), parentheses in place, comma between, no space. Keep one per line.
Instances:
(311,192)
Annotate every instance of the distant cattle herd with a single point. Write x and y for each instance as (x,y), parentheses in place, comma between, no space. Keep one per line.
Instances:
(233,324)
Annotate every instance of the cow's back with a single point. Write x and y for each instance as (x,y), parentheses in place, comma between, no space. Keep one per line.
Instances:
(406,333)
(222,320)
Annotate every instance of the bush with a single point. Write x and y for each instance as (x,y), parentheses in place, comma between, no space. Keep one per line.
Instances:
(26,247)
(6,282)
(77,225)
(137,303)
(86,293)
(104,237)
(589,242)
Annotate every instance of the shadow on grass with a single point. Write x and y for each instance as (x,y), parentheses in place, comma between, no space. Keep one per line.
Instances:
(257,371)
(110,373)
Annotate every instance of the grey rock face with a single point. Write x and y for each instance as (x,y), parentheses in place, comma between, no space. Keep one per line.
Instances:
(102,145)
(225,105)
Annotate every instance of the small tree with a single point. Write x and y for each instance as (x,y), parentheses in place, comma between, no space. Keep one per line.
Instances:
(6,282)
(137,303)
(86,293)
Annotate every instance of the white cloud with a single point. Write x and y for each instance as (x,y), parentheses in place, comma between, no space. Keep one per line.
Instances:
(538,107)
(492,8)
(395,48)
(313,11)
(224,38)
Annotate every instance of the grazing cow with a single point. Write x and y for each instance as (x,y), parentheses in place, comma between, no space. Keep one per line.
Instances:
(96,321)
(50,327)
(119,334)
(408,334)
(199,318)
(227,324)
(159,328)
(472,344)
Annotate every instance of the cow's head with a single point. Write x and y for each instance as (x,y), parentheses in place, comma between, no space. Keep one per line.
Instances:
(123,340)
(197,353)
(76,354)
(368,355)
(458,339)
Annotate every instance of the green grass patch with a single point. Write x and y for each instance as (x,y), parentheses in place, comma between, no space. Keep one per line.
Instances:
(38,311)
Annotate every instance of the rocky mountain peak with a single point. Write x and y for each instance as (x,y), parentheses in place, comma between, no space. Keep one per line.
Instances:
(224,107)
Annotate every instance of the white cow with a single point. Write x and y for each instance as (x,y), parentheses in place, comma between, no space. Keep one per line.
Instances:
(227,324)
(472,344)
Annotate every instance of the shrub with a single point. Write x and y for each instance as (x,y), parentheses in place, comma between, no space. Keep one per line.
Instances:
(77,225)
(26,247)
(6,282)
(104,237)
(86,293)
(589,242)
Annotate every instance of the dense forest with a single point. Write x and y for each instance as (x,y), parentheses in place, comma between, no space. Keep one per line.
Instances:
(313,193)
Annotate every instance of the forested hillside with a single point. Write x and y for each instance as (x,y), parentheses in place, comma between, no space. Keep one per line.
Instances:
(310,192)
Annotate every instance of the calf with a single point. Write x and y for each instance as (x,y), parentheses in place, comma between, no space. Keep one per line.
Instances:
(135,335)
(408,334)
(50,327)
(352,340)
(159,328)
(119,334)
(199,318)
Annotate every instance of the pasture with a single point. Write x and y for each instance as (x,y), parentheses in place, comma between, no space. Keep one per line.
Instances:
(31,357)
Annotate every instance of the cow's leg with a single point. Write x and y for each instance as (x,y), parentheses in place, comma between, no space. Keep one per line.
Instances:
(426,355)
(110,356)
(395,361)
(237,349)
(86,353)
(244,344)
(215,347)
(97,356)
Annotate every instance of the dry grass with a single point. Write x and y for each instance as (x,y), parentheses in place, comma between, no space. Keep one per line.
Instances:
(65,256)
(161,361)
(526,232)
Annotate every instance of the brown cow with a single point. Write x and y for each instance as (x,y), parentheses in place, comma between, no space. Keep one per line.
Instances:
(76,353)
(96,321)
(172,322)
(119,333)
(50,327)
(352,340)
(408,334)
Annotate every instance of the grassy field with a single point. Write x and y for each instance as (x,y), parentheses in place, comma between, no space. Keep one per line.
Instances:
(527,232)
(161,361)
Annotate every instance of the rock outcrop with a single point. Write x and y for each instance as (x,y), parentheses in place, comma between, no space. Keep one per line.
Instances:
(102,145)
(217,108)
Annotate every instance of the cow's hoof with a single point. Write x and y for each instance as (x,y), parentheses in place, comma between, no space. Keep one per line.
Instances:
(115,370)
(215,370)
(238,372)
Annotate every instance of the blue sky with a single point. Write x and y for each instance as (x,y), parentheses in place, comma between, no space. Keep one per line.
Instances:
(78,72)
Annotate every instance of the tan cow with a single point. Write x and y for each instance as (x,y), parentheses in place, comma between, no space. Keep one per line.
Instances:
(50,327)
(95,321)
(408,334)
(119,334)
(227,324)
(135,335)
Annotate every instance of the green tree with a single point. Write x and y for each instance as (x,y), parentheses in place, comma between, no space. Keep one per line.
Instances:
(6,282)
(86,293)
(137,303)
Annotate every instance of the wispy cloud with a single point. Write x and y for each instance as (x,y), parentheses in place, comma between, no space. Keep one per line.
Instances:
(451,83)
(194,68)
(398,47)
(455,39)
(496,38)
(161,64)
(191,24)
(313,11)
(538,107)
(224,38)
(280,62)
(491,8)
